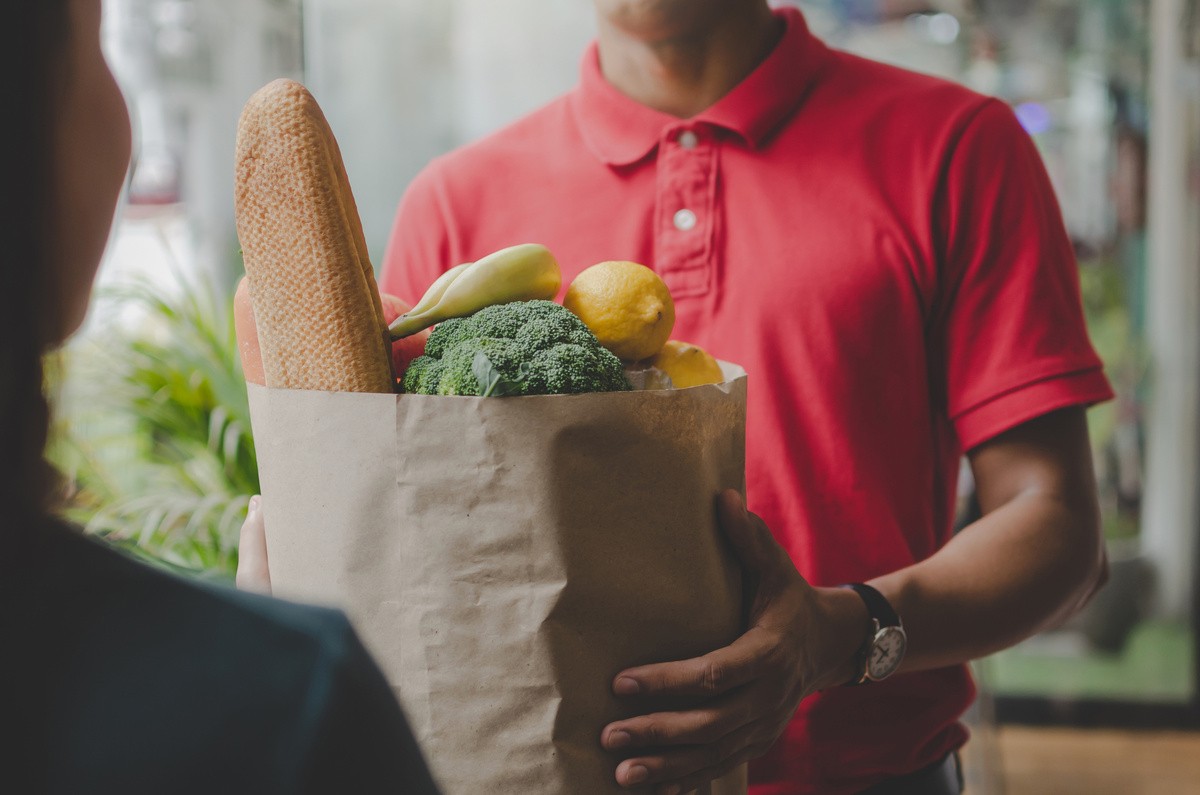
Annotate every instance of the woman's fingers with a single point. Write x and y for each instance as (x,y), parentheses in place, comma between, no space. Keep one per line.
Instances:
(252,572)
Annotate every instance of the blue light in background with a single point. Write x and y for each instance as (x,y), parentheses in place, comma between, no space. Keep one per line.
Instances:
(1034,117)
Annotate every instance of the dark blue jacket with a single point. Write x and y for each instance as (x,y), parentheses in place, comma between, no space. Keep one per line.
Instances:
(116,677)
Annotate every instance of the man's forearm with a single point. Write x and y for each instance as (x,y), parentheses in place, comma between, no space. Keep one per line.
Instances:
(1034,558)
(1022,568)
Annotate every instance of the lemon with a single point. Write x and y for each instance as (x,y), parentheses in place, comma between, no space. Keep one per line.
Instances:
(687,365)
(626,305)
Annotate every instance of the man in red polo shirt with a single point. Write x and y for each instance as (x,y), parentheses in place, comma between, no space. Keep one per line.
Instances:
(883,253)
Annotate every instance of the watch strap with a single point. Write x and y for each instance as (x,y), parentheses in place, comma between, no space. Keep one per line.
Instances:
(877,605)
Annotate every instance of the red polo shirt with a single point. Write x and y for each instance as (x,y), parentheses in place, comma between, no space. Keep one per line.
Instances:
(882,252)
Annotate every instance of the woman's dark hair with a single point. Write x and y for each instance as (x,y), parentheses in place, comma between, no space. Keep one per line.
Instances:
(32,50)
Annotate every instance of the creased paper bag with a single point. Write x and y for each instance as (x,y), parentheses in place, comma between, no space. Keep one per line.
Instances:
(505,558)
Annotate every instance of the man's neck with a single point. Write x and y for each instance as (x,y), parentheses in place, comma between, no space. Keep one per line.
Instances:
(685,75)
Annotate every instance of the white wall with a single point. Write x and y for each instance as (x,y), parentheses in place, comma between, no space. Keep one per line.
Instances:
(187,67)
(1170,515)
(403,81)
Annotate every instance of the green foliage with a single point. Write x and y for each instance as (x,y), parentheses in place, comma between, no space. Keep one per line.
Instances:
(1116,339)
(519,348)
(153,431)
(1111,298)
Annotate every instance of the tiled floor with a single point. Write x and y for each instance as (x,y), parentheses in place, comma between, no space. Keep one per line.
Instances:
(1070,762)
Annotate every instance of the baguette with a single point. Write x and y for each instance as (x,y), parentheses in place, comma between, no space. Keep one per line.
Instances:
(320,322)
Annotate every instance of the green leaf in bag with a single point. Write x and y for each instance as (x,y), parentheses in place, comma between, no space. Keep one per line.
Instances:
(492,382)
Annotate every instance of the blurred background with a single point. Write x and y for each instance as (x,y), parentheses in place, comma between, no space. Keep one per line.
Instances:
(153,426)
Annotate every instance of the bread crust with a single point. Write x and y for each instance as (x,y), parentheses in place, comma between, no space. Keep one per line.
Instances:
(316,305)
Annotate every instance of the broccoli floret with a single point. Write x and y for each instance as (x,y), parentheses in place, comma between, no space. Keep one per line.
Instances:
(519,348)
(504,320)
(447,334)
(551,328)
(546,321)
(423,375)
(568,368)
(460,368)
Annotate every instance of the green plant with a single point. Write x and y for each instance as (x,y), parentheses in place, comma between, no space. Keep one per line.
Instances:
(1114,426)
(153,430)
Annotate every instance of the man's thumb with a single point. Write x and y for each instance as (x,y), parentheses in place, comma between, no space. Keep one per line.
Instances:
(751,540)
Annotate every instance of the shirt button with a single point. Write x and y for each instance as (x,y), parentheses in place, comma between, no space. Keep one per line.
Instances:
(688,139)
(685,220)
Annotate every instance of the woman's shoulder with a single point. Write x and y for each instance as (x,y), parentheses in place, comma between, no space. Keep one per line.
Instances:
(125,662)
(88,575)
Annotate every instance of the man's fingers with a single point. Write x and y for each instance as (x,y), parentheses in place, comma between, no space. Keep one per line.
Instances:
(688,764)
(700,726)
(252,571)
(711,675)
(693,782)
(752,542)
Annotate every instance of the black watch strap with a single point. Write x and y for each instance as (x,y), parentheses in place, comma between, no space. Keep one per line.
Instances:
(878,606)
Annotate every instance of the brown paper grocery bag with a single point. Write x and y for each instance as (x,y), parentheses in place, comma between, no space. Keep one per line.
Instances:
(505,558)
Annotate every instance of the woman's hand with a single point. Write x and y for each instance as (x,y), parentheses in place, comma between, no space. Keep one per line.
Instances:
(252,572)
(800,639)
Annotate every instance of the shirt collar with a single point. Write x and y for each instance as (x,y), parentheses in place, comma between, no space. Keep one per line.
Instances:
(621,131)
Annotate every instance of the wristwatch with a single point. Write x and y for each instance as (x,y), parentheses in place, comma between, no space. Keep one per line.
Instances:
(886,641)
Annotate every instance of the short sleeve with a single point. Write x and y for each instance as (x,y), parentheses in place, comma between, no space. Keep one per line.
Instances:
(1013,341)
(419,248)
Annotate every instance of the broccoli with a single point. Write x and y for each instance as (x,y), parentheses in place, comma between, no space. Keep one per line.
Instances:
(520,348)
(555,328)
(447,334)
(541,322)
(568,368)
(423,375)
(459,365)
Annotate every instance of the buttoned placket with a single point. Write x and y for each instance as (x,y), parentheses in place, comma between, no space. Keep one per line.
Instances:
(685,223)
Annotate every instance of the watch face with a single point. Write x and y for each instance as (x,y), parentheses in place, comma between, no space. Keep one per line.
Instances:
(886,653)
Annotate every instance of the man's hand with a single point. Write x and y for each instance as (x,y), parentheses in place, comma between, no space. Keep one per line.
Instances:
(800,639)
(252,572)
